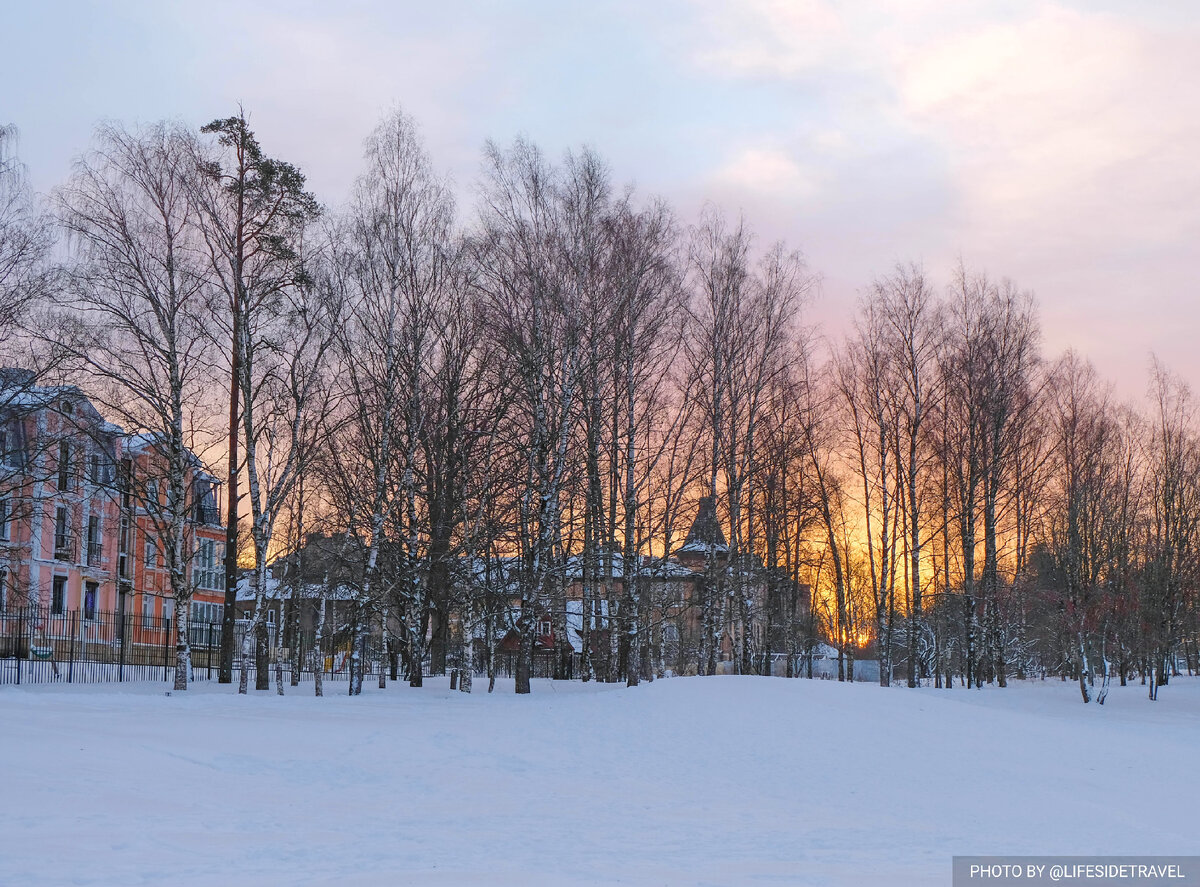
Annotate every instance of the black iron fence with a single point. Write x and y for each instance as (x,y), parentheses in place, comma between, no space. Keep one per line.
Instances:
(39,645)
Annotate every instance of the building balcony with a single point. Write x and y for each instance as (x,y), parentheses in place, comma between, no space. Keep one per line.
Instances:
(95,551)
(210,517)
(64,547)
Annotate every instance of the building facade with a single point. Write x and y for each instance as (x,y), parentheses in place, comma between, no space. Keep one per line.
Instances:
(78,498)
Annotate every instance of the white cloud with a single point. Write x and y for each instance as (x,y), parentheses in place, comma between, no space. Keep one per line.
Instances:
(1063,117)
(772,37)
(1048,140)
(1043,139)
(766,170)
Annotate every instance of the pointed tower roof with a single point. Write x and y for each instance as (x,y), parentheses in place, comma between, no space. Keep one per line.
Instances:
(706,529)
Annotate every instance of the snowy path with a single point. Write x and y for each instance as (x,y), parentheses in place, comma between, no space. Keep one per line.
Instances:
(688,781)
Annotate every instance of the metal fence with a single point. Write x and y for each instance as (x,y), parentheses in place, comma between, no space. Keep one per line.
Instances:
(39,645)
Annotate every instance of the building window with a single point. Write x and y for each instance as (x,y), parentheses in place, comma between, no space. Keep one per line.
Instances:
(89,600)
(208,571)
(124,541)
(151,553)
(3,591)
(147,611)
(62,534)
(11,452)
(64,465)
(545,629)
(168,609)
(125,483)
(4,519)
(205,614)
(101,469)
(204,498)
(58,595)
(94,546)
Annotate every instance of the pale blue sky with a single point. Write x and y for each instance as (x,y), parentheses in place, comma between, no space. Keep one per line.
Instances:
(1054,143)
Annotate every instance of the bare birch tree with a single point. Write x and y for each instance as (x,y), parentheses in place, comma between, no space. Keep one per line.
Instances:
(136,326)
(536,319)
(26,239)
(1172,539)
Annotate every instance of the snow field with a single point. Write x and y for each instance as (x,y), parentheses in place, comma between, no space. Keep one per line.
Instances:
(688,781)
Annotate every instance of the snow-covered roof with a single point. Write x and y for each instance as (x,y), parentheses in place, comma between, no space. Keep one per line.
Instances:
(277,591)
(141,441)
(24,396)
(658,568)
(699,546)
(40,396)
(35,397)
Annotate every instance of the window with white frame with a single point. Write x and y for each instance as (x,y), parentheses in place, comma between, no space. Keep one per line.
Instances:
(208,571)
(125,482)
(204,498)
(12,451)
(147,611)
(64,465)
(151,553)
(62,535)
(125,536)
(58,595)
(100,469)
(204,613)
(95,548)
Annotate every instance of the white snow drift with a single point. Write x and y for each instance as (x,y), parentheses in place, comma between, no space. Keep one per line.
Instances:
(685,781)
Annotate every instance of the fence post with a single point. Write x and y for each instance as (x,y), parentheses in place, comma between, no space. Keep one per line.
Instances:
(20,638)
(124,621)
(208,657)
(76,623)
(166,648)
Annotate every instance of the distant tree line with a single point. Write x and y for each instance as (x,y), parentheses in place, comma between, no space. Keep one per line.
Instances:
(464,401)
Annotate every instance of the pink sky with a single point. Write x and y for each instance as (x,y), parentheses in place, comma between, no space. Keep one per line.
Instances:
(1053,143)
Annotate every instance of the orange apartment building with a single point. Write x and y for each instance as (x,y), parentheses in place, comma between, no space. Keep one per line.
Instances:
(75,533)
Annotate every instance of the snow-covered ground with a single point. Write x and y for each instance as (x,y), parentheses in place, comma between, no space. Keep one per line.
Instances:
(686,781)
